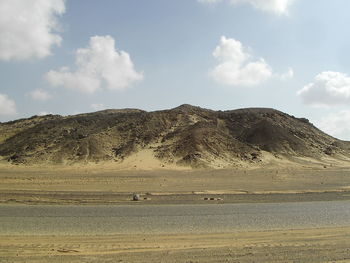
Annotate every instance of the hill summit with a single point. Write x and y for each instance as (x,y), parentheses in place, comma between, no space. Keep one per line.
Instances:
(182,136)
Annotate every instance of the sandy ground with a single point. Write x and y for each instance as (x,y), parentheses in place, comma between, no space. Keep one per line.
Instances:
(99,184)
(307,245)
(103,184)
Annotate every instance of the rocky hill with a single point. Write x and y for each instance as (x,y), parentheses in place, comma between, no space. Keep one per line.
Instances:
(185,136)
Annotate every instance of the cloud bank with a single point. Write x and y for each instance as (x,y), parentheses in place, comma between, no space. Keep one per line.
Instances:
(40,94)
(236,66)
(336,124)
(7,106)
(287,75)
(97,66)
(327,89)
(97,106)
(27,28)
(279,7)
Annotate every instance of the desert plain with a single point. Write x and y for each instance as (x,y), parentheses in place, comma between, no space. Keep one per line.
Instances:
(108,185)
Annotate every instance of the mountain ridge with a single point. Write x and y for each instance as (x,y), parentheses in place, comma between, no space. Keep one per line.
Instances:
(186,135)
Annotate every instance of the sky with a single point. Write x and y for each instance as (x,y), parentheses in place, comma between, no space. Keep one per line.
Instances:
(73,56)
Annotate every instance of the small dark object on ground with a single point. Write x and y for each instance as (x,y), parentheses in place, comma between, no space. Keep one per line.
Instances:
(135,197)
(212,199)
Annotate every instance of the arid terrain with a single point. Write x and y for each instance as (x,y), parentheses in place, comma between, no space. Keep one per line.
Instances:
(186,136)
(93,185)
(311,245)
(182,156)
(102,184)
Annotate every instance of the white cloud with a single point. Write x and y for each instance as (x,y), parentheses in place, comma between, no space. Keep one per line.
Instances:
(279,7)
(336,124)
(287,75)
(97,106)
(98,65)
(7,106)
(27,28)
(40,94)
(236,67)
(328,89)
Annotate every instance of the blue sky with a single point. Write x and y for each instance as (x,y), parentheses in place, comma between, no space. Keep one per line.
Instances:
(291,55)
